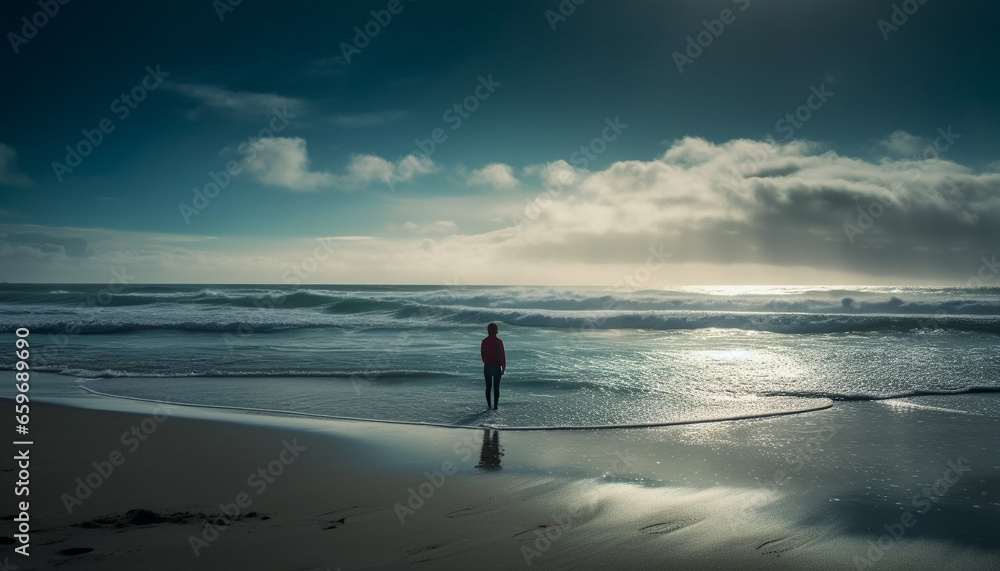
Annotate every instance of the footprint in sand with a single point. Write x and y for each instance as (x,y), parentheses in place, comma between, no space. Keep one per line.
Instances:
(669,526)
(73,551)
(532,534)
(332,522)
(422,550)
(335,524)
(466,511)
(778,546)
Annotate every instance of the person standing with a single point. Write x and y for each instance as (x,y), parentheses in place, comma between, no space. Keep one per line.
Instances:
(494,363)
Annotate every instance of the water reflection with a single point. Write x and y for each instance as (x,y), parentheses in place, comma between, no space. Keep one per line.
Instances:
(489,457)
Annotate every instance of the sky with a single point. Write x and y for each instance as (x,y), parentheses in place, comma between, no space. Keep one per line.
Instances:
(620,144)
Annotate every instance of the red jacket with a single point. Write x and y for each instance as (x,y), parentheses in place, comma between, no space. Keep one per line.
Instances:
(492,352)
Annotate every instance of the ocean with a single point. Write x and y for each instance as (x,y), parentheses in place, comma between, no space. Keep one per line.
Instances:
(577,356)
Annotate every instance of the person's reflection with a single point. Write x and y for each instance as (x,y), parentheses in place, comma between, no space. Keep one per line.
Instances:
(489,457)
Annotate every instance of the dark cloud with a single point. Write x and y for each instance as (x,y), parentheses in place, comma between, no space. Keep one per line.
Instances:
(46,243)
(921,220)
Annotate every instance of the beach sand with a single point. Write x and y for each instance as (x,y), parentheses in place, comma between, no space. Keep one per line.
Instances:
(823,490)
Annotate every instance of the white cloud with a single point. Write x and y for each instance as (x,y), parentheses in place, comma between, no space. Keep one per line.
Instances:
(436,227)
(556,174)
(411,166)
(363,170)
(284,162)
(10,175)
(497,175)
(242,103)
(901,144)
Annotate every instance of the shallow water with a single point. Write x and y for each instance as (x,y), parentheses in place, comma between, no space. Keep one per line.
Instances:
(576,356)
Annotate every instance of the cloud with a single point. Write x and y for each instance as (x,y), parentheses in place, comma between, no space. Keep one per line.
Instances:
(901,144)
(33,253)
(47,244)
(497,175)
(368,119)
(437,227)
(10,175)
(785,205)
(736,212)
(556,174)
(411,166)
(363,170)
(240,103)
(284,162)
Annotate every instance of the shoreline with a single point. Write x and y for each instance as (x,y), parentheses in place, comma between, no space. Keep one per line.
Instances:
(797,491)
(750,416)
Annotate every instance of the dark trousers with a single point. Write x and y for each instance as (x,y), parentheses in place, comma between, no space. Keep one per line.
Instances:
(492,375)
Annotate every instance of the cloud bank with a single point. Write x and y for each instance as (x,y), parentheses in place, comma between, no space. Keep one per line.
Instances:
(791,204)
(737,212)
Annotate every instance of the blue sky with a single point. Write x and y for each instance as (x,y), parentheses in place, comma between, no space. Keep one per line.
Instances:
(578,146)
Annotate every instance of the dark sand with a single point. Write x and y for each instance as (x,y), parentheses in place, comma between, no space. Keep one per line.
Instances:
(820,490)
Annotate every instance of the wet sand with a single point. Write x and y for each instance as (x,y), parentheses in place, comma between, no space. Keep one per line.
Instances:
(881,485)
